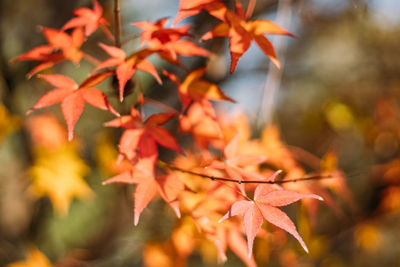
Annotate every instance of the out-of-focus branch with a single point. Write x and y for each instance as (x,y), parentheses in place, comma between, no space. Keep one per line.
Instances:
(117,24)
(273,81)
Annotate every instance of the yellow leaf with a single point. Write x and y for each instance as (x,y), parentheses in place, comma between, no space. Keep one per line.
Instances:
(34,259)
(8,122)
(58,174)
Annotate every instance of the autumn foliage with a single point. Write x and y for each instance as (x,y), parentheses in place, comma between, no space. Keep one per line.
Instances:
(223,182)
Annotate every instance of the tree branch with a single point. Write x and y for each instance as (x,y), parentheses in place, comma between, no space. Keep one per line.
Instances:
(117,24)
(223,179)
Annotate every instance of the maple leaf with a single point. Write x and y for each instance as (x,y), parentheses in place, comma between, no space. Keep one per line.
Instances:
(142,174)
(233,163)
(232,237)
(46,131)
(266,198)
(189,8)
(206,217)
(167,41)
(87,18)
(200,124)
(193,88)
(143,136)
(242,32)
(35,258)
(73,97)
(61,47)
(126,66)
(59,175)
(155,34)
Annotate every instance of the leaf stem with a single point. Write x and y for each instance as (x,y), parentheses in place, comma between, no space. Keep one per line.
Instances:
(117,24)
(216,178)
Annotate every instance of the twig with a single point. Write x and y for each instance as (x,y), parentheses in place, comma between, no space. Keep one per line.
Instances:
(107,33)
(216,178)
(117,21)
(91,59)
(133,37)
(159,105)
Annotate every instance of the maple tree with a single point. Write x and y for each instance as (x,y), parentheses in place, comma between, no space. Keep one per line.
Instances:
(196,183)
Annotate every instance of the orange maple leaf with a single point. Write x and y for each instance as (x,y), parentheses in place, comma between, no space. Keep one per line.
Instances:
(61,47)
(73,97)
(193,88)
(143,174)
(189,8)
(167,42)
(143,136)
(234,162)
(266,198)
(242,32)
(87,18)
(127,66)
(200,124)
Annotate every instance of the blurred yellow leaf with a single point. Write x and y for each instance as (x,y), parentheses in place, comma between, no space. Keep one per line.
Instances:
(59,175)
(339,116)
(329,162)
(8,122)
(368,237)
(34,259)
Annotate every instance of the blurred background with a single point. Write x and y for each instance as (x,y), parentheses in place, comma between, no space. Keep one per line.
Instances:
(337,92)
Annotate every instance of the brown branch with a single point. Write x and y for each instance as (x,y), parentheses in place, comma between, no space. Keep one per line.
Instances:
(223,179)
(117,24)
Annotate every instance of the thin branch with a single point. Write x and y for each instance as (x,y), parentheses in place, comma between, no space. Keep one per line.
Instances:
(250,8)
(117,24)
(216,178)
(159,105)
(107,33)
(91,59)
(133,37)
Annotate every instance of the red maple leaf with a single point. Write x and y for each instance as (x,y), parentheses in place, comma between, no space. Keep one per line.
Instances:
(242,32)
(61,47)
(167,42)
(87,18)
(143,136)
(266,198)
(142,174)
(73,97)
(127,66)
